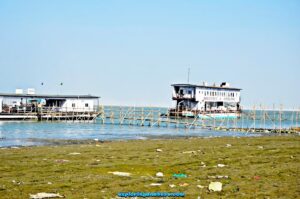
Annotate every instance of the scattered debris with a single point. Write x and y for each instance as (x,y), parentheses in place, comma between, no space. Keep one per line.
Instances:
(172,185)
(17,182)
(228,145)
(155,184)
(62,161)
(260,147)
(256,177)
(292,157)
(221,165)
(179,175)
(220,177)
(185,152)
(217,177)
(45,195)
(75,153)
(49,183)
(117,173)
(203,164)
(159,150)
(215,186)
(183,184)
(159,174)
(200,186)
(97,160)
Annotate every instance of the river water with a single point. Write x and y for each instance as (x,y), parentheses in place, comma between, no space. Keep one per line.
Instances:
(28,133)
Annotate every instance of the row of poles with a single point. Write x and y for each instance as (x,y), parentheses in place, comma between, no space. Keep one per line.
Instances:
(256,119)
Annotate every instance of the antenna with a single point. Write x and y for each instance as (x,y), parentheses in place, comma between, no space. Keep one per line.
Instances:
(188,80)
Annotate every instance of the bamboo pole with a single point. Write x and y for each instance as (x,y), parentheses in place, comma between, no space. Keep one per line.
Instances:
(280,118)
(292,117)
(254,117)
(264,118)
(142,117)
(274,117)
(297,116)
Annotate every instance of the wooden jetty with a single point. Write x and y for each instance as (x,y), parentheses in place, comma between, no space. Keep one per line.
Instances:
(255,120)
(80,116)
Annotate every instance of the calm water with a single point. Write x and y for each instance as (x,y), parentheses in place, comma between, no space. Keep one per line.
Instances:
(22,133)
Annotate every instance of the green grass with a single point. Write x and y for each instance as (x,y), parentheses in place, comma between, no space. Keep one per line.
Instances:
(31,170)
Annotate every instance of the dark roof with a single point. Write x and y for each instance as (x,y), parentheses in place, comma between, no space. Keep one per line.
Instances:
(202,86)
(48,96)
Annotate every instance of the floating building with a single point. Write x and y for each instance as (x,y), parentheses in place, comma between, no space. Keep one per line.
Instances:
(41,106)
(206,101)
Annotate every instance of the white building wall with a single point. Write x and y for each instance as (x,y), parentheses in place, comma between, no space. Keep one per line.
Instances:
(78,105)
(1,104)
(202,95)
(213,95)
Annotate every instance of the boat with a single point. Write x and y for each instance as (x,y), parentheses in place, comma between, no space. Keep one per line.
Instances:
(206,101)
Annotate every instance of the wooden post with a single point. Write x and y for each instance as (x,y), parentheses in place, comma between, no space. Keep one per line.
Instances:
(292,117)
(297,117)
(280,118)
(242,115)
(254,118)
(158,117)
(142,117)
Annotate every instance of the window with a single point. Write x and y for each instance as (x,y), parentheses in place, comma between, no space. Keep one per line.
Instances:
(86,105)
(73,105)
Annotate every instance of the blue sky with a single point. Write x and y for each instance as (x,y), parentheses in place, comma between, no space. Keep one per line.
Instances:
(129,52)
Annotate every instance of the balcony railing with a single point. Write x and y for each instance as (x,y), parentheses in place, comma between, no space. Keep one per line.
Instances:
(185,96)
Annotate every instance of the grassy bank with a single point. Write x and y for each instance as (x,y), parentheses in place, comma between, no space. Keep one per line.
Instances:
(257,167)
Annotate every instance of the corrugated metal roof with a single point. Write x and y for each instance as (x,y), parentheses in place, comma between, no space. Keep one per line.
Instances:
(210,87)
(49,96)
